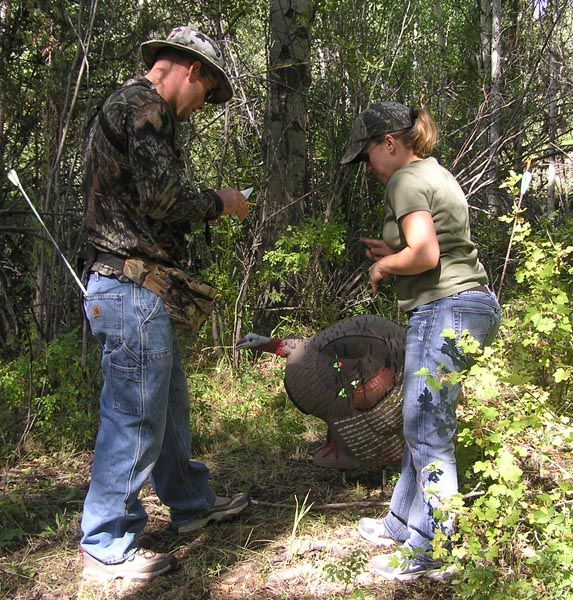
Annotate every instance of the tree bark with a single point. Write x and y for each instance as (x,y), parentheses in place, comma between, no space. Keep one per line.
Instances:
(286,119)
(552,93)
(286,122)
(495,103)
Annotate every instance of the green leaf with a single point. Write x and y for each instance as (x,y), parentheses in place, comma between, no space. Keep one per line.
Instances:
(561,374)
(508,470)
(489,412)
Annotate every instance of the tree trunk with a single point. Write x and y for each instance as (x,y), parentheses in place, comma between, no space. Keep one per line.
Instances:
(442,46)
(495,104)
(284,151)
(552,92)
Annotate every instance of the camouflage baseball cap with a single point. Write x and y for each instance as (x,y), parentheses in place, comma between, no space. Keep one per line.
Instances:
(198,45)
(377,120)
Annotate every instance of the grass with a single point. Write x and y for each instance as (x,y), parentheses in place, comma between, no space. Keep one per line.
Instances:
(252,437)
(257,556)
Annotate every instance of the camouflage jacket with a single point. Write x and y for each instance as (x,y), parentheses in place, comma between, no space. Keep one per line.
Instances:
(138,203)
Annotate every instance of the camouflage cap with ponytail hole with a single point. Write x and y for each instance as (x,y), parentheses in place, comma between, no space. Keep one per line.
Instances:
(374,122)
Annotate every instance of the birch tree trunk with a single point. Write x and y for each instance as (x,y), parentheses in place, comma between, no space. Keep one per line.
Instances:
(495,103)
(286,119)
(443,98)
(552,91)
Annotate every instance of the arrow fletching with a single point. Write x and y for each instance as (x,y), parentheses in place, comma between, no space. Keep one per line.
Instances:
(13,177)
(247,192)
(525,182)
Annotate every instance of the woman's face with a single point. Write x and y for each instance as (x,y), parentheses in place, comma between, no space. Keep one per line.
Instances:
(381,158)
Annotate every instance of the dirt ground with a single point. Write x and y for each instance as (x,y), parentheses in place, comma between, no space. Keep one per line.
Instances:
(263,555)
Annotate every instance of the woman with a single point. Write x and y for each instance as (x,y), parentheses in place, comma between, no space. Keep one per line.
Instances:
(440,284)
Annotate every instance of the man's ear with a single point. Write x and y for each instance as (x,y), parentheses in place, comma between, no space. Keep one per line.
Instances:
(194,70)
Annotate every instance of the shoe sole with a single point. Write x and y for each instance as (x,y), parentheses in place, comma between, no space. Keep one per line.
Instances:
(441,575)
(226,515)
(433,574)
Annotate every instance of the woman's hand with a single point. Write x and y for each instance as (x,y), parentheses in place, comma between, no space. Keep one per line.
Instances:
(376,274)
(420,253)
(376,249)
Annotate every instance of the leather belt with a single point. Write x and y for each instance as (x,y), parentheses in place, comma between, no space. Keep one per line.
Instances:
(110,260)
(479,288)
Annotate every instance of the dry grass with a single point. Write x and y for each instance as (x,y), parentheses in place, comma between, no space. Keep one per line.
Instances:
(254,557)
(253,439)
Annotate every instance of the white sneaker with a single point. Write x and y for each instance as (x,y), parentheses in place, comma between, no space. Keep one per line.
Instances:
(408,569)
(375,532)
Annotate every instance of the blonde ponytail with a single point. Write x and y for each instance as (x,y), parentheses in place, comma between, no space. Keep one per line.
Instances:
(423,136)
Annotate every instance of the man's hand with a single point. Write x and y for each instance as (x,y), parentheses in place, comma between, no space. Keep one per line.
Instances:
(234,203)
(376,249)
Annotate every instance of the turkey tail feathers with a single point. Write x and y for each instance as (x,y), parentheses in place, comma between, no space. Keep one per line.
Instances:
(346,369)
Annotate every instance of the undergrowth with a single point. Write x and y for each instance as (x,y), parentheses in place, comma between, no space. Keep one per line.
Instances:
(238,409)
(514,535)
(49,398)
(514,513)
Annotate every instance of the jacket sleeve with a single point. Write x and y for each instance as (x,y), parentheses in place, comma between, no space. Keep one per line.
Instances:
(157,170)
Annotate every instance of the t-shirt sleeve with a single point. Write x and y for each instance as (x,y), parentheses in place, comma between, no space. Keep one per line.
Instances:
(407,194)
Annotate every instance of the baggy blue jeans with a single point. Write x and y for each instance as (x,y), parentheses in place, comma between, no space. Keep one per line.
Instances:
(428,472)
(144,421)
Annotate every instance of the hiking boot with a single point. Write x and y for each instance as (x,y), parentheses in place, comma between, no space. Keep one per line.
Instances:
(142,565)
(375,532)
(223,509)
(408,569)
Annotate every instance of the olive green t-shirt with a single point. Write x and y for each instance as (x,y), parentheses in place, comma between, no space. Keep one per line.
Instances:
(425,185)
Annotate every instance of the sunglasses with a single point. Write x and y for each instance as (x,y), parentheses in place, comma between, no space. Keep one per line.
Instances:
(365,156)
(210,77)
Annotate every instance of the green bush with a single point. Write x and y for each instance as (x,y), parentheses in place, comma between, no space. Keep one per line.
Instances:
(49,398)
(240,409)
(304,257)
(542,315)
(513,537)
(295,251)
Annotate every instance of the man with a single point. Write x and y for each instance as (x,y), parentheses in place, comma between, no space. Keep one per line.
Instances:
(138,210)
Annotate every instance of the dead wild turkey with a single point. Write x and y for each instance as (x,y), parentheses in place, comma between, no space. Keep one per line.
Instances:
(350,376)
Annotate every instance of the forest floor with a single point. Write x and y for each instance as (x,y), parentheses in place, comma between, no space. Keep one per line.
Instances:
(265,554)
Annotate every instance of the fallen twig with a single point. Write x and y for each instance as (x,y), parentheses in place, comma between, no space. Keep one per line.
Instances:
(329,506)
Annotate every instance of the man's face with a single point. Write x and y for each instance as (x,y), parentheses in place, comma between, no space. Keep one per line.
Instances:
(198,86)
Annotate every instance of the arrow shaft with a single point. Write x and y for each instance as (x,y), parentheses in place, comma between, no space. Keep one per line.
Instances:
(37,215)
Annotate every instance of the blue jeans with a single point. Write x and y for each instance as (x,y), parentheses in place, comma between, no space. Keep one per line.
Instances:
(144,421)
(428,472)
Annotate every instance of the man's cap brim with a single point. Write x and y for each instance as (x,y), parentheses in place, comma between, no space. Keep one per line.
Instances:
(224,91)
